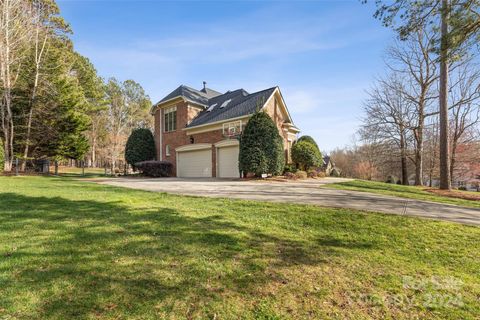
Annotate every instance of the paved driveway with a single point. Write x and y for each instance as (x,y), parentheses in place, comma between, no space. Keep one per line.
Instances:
(305,192)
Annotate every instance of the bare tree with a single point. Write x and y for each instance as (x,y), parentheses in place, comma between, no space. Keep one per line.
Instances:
(415,61)
(464,108)
(431,150)
(128,107)
(15,34)
(46,24)
(388,116)
(459,25)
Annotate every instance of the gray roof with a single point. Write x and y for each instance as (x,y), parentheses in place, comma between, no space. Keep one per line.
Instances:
(210,93)
(193,95)
(241,103)
(326,161)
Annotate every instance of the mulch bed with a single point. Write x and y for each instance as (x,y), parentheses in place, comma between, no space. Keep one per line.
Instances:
(456,194)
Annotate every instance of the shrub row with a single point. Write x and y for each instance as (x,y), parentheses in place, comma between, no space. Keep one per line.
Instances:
(155,168)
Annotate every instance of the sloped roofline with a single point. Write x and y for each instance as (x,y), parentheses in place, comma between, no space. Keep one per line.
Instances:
(182,97)
(277,89)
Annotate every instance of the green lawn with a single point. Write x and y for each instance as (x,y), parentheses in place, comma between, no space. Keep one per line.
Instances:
(78,172)
(73,249)
(410,192)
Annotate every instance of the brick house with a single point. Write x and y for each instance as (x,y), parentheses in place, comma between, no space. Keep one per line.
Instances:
(197,130)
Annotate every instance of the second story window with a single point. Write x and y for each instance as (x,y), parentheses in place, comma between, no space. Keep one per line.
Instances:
(170,119)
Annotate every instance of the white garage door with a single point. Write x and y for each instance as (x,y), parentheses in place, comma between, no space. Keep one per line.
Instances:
(194,164)
(227,162)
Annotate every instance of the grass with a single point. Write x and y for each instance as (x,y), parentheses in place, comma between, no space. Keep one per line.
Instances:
(73,249)
(410,192)
(77,172)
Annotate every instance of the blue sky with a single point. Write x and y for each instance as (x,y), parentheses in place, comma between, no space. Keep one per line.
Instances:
(322,54)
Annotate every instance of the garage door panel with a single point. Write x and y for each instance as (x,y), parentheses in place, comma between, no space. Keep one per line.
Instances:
(195,164)
(227,159)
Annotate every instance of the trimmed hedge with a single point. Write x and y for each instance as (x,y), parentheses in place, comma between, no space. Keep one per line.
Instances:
(261,147)
(306,155)
(155,168)
(140,147)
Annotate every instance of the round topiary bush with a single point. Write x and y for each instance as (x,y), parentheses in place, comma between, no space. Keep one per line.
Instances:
(140,147)
(261,147)
(308,139)
(306,155)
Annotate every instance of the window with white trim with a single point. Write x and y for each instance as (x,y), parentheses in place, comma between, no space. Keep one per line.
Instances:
(167,150)
(170,119)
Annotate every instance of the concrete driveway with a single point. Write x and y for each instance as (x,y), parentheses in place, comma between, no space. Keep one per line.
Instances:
(303,192)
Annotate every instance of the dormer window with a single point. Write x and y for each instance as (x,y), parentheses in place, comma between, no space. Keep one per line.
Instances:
(170,119)
(225,103)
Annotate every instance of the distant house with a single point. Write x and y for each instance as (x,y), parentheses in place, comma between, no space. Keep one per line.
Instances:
(467,175)
(467,167)
(328,165)
(197,130)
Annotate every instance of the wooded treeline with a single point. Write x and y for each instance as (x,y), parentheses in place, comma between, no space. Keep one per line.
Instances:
(421,118)
(53,103)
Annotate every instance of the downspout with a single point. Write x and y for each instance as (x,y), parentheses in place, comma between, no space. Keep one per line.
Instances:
(160,129)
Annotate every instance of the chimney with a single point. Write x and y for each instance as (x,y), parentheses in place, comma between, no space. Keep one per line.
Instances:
(204,85)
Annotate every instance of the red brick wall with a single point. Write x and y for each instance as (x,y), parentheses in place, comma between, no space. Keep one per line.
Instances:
(179,138)
(274,111)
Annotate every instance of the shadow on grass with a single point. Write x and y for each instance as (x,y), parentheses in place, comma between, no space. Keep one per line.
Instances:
(92,258)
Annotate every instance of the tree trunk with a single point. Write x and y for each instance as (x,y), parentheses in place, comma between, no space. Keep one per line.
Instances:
(7,164)
(94,152)
(418,168)
(403,151)
(8,129)
(30,117)
(445,182)
(452,157)
(419,138)
(7,120)
(419,153)
(27,138)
